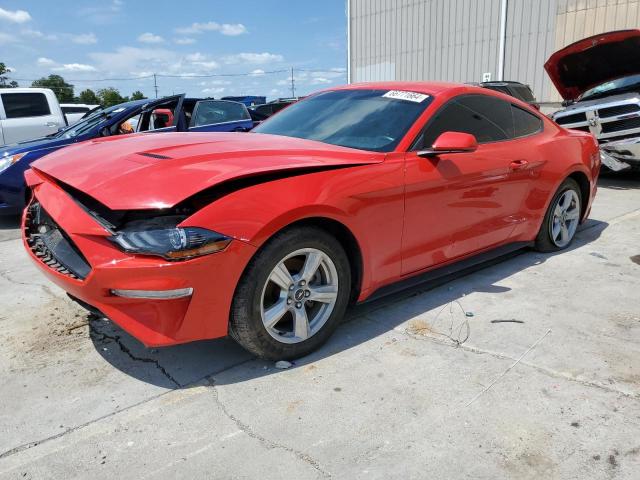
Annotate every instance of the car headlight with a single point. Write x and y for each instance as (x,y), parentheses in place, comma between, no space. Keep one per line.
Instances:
(8,160)
(171,243)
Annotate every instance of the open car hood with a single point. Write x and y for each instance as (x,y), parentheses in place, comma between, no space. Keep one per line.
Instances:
(146,171)
(595,60)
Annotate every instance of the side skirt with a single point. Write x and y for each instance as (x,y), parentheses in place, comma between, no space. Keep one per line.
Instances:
(450,271)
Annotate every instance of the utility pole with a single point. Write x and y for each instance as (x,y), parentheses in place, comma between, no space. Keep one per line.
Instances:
(155,84)
(293,85)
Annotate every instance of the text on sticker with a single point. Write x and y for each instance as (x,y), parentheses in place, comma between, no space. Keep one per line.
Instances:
(409,96)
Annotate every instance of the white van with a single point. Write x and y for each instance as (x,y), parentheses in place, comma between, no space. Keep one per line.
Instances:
(28,113)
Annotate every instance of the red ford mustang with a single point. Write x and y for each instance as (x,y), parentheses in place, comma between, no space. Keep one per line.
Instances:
(342,197)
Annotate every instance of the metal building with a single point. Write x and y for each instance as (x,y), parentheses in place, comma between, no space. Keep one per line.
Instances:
(470,40)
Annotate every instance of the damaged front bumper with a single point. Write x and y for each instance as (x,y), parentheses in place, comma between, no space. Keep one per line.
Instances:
(621,154)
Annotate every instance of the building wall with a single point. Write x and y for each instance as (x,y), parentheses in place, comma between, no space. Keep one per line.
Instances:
(458,40)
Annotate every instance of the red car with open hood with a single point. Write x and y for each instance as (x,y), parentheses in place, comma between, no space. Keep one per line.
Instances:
(342,197)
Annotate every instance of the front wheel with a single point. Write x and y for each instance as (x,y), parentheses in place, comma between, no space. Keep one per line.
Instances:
(292,295)
(562,218)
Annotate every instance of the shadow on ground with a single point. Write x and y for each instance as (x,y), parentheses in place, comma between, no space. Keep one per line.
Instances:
(183,365)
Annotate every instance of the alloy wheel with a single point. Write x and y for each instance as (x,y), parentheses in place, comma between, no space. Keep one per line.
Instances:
(299,295)
(566,215)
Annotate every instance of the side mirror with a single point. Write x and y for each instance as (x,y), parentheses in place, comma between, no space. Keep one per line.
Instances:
(451,142)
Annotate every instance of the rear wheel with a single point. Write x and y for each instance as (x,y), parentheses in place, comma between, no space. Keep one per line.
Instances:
(562,218)
(292,295)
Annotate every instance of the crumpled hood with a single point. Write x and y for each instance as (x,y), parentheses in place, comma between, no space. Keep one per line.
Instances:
(593,61)
(145,171)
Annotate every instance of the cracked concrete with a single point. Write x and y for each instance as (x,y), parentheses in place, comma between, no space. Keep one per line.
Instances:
(391,395)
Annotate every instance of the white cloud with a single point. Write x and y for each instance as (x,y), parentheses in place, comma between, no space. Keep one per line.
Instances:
(213,91)
(253,58)
(15,16)
(184,41)
(74,67)
(45,62)
(258,72)
(231,29)
(84,39)
(149,37)
(37,34)
(320,81)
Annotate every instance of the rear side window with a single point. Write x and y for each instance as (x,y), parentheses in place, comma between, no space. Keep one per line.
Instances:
(525,123)
(209,112)
(486,118)
(489,119)
(20,105)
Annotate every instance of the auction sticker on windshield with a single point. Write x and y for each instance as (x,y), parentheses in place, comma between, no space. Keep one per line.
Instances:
(409,96)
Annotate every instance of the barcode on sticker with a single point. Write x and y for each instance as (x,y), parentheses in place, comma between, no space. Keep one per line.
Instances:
(409,96)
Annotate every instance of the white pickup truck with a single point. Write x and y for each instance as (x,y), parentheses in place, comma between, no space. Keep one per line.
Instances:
(28,113)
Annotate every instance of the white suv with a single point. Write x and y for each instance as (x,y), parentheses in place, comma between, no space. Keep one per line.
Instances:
(28,113)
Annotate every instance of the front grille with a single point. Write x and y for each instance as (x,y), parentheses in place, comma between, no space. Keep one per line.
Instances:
(582,129)
(618,110)
(619,125)
(573,118)
(51,244)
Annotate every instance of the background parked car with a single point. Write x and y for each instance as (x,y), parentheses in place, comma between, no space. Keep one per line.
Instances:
(599,78)
(27,113)
(74,112)
(268,109)
(168,114)
(517,90)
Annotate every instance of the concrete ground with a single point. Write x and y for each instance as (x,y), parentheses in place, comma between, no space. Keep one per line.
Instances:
(540,380)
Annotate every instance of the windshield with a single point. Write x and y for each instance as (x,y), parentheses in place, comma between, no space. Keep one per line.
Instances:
(87,124)
(373,120)
(618,84)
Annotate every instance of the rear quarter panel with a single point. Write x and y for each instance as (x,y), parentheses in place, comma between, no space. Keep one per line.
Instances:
(562,153)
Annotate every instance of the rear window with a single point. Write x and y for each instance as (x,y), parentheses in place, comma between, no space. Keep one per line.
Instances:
(524,93)
(74,109)
(20,105)
(209,112)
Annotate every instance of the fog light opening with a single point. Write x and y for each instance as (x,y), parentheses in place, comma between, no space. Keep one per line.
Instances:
(153,294)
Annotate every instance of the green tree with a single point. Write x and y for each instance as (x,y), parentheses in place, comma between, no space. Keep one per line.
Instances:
(62,89)
(137,95)
(88,97)
(110,96)
(4,81)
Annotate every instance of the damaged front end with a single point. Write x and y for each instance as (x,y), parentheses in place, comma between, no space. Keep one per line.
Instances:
(621,154)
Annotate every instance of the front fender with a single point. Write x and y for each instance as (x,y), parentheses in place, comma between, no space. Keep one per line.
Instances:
(367,200)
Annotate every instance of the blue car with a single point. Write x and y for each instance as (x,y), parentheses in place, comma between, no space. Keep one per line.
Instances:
(169,114)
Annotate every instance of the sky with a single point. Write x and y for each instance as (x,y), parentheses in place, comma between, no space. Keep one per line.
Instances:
(122,43)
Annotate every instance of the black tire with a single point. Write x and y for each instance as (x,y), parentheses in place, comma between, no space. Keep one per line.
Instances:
(544,242)
(245,323)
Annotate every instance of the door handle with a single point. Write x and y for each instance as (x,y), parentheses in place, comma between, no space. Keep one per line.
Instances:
(518,164)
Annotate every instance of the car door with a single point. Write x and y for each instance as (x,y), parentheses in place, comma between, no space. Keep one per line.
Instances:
(460,203)
(220,116)
(27,115)
(159,116)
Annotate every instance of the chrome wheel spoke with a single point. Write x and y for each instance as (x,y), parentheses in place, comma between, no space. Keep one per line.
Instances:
(274,313)
(281,276)
(573,214)
(310,267)
(301,323)
(324,293)
(564,233)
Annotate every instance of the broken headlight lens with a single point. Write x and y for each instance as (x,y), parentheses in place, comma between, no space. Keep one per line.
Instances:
(171,243)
